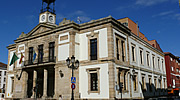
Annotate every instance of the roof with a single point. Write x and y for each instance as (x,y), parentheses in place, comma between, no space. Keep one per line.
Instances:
(3,65)
(171,55)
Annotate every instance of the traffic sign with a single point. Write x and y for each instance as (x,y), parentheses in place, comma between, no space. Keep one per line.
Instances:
(73,86)
(73,79)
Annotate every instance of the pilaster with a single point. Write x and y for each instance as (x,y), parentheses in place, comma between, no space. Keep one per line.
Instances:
(34,83)
(45,84)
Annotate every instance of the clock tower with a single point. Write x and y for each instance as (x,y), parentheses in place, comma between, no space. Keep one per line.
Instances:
(47,14)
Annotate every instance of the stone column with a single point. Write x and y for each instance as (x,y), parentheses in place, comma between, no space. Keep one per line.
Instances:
(45,84)
(34,83)
(56,87)
(25,79)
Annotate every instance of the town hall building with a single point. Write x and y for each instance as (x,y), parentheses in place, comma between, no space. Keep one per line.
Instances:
(114,61)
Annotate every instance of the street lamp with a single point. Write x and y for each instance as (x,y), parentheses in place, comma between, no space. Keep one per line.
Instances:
(71,63)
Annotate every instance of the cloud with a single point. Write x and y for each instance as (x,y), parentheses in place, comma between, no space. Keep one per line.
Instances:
(149,2)
(163,13)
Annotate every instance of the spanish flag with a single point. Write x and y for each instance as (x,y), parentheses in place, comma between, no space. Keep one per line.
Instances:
(22,56)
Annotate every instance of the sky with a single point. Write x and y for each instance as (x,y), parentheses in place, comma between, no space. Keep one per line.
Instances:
(157,19)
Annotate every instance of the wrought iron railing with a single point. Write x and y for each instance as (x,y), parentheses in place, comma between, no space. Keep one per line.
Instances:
(40,61)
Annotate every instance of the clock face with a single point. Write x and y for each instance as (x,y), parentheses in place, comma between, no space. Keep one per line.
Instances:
(51,18)
(42,17)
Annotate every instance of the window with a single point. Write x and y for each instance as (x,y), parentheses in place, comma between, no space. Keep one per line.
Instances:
(117,48)
(4,79)
(141,56)
(148,63)
(0,73)
(150,84)
(172,69)
(125,24)
(155,83)
(174,82)
(133,53)
(135,82)
(143,83)
(163,65)
(177,70)
(12,87)
(122,78)
(93,49)
(40,53)
(122,47)
(153,59)
(160,85)
(159,63)
(30,55)
(125,88)
(164,83)
(93,80)
(51,51)
(5,73)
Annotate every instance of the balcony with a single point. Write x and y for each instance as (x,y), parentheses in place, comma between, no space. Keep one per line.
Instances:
(44,60)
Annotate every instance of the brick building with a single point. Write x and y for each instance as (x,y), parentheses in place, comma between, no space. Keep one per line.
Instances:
(173,73)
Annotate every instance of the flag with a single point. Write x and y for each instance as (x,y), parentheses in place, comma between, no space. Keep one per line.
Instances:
(13,59)
(22,56)
(34,55)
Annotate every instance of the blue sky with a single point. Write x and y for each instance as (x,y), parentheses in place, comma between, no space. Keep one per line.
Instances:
(157,19)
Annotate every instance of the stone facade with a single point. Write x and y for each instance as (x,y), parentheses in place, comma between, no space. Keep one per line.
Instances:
(43,79)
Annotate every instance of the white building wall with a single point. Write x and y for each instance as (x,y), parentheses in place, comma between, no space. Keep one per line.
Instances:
(9,86)
(103,46)
(139,46)
(63,52)
(63,48)
(104,82)
(77,46)
(83,47)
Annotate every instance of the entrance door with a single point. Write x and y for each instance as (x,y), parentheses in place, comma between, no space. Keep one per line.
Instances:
(39,83)
(50,83)
(30,84)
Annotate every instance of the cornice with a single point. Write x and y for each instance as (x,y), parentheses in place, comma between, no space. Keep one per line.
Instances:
(11,46)
(146,43)
(102,21)
(54,30)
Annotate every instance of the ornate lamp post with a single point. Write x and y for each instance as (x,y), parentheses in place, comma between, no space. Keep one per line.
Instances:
(70,63)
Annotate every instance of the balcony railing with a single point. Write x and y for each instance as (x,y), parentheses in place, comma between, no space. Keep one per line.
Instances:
(40,61)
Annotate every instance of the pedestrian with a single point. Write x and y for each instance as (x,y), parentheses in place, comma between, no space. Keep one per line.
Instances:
(60,97)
